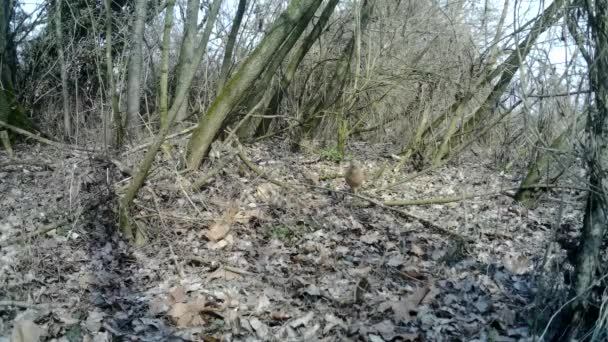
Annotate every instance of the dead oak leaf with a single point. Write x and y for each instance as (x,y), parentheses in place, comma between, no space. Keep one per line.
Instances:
(218,230)
(370,238)
(302,321)
(417,250)
(407,308)
(178,294)
(26,331)
(189,314)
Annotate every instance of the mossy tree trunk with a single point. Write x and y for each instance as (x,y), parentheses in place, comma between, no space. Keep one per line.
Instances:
(311,117)
(245,77)
(262,94)
(186,52)
(164,64)
(133,122)
(262,127)
(230,43)
(57,23)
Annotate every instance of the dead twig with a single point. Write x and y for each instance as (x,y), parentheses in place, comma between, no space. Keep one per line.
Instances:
(207,177)
(425,222)
(41,231)
(49,142)
(27,163)
(168,137)
(259,171)
(402,213)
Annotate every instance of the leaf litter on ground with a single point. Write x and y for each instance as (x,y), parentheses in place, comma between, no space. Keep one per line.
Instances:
(264,262)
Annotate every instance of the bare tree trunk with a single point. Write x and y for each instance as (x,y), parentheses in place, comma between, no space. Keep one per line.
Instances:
(67,122)
(594,223)
(267,88)
(191,65)
(186,52)
(115,112)
(133,122)
(239,84)
(311,111)
(509,68)
(11,112)
(540,167)
(297,58)
(164,64)
(234,30)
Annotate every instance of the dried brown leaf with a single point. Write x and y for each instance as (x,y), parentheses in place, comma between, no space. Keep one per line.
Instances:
(218,230)
(178,295)
(302,321)
(407,308)
(371,238)
(417,250)
(26,331)
(187,314)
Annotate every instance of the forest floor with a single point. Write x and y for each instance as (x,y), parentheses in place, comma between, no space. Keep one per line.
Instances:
(285,255)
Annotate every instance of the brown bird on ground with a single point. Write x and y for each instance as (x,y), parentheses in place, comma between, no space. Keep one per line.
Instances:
(354,176)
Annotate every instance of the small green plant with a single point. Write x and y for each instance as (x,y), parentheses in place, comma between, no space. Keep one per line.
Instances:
(332,154)
(281,232)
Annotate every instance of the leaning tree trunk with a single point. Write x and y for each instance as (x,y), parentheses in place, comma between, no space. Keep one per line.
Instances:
(234,30)
(546,20)
(261,128)
(132,124)
(540,167)
(186,52)
(67,122)
(239,84)
(311,111)
(191,66)
(262,95)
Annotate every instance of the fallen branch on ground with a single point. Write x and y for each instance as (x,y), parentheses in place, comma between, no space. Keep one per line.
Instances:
(27,163)
(33,234)
(168,137)
(424,222)
(56,144)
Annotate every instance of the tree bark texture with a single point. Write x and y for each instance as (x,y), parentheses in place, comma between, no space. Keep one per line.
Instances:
(239,84)
(132,124)
(186,52)
(67,122)
(549,17)
(164,64)
(234,30)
